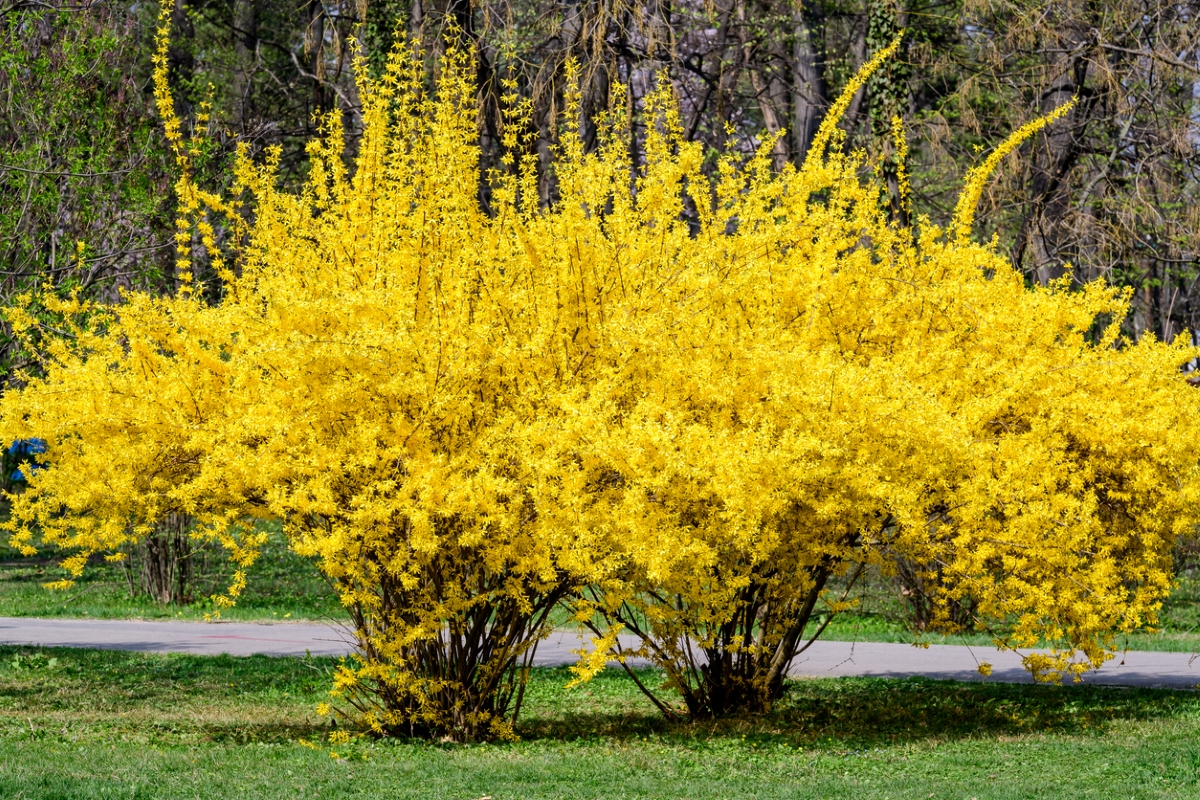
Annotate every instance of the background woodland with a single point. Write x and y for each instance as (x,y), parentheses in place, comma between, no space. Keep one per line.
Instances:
(1112,193)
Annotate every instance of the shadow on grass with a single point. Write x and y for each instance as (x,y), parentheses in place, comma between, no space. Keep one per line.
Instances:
(864,712)
(115,730)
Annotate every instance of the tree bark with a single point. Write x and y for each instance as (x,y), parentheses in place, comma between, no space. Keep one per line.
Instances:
(245,50)
(810,92)
(1054,154)
(161,565)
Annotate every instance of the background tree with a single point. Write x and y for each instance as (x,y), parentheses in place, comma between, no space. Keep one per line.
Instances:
(82,160)
(1112,195)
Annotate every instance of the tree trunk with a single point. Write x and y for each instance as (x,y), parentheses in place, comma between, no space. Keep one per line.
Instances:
(888,94)
(161,565)
(761,81)
(810,93)
(1054,154)
(245,49)
(919,588)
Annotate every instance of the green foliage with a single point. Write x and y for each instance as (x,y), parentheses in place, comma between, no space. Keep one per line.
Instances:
(82,159)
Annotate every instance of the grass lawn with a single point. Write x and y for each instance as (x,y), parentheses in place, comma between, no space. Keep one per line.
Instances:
(281,585)
(99,724)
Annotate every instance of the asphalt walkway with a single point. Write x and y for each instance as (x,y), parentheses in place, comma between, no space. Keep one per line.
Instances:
(822,659)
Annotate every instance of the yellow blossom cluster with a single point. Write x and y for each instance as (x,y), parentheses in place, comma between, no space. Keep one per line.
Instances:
(684,406)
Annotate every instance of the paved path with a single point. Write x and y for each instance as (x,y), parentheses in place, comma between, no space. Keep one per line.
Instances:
(823,659)
(169,636)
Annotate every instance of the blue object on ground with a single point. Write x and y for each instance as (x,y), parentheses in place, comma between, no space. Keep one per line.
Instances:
(24,452)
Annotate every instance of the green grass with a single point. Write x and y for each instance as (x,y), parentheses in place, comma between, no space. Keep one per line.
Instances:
(99,724)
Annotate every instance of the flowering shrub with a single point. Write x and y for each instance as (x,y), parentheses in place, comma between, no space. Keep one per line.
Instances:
(835,392)
(681,405)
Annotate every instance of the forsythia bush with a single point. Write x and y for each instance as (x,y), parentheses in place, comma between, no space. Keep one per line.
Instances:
(682,406)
